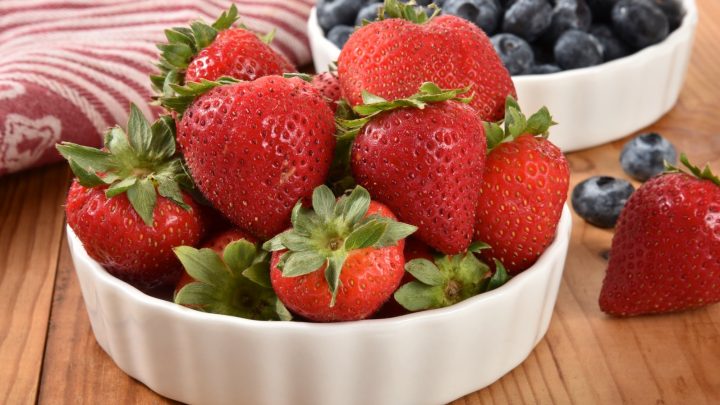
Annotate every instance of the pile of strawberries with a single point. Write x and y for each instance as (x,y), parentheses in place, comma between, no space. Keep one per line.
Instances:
(410,176)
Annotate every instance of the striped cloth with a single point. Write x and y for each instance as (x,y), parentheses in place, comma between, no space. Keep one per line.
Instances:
(70,68)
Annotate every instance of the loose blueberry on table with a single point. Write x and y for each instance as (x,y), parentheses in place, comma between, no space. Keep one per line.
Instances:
(562,34)
(645,155)
(600,199)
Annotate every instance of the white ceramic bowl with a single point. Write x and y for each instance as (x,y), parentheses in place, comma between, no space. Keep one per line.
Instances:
(430,357)
(594,105)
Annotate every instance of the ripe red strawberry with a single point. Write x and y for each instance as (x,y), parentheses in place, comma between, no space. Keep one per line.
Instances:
(216,244)
(113,208)
(665,254)
(230,276)
(340,261)
(255,148)
(393,57)
(524,187)
(423,162)
(213,51)
(328,85)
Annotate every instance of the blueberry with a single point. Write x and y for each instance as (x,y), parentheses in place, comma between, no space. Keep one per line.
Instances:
(673,11)
(331,13)
(613,47)
(577,49)
(599,199)
(544,69)
(568,14)
(640,23)
(485,14)
(643,156)
(528,19)
(369,12)
(515,53)
(339,34)
(601,9)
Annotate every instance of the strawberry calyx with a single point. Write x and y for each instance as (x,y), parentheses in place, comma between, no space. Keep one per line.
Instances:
(374,105)
(515,124)
(324,236)
(409,11)
(184,95)
(703,174)
(183,45)
(236,284)
(448,280)
(141,162)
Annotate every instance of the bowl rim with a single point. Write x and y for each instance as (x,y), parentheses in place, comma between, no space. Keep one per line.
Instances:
(100,275)
(686,27)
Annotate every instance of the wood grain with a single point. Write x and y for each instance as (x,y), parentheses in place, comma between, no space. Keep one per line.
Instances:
(31,219)
(49,354)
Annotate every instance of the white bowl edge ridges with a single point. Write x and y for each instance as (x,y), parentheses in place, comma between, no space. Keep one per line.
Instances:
(430,357)
(594,105)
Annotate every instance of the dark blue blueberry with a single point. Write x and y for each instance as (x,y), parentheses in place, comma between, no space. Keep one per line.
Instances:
(486,14)
(438,3)
(369,12)
(643,156)
(339,34)
(577,49)
(600,199)
(568,14)
(331,13)
(528,19)
(613,47)
(640,23)
(515,53)
(673,11)
(601,9)
(544,69)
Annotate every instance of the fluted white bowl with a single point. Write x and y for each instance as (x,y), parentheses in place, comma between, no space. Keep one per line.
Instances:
(429,357)
(593,105)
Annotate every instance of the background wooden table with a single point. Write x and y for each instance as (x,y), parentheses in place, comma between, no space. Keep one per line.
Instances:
(48,353)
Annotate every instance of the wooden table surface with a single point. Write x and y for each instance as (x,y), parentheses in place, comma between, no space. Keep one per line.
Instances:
(49,355)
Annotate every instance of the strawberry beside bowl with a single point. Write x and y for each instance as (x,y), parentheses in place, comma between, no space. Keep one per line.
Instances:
(428,357)
(593,105)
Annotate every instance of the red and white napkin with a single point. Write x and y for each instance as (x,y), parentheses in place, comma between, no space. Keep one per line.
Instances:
(69,69)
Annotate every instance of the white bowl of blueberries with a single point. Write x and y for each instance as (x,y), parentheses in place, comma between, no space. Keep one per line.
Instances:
(604,68)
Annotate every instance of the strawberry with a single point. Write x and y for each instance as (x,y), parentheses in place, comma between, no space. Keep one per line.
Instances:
(340,261)
(115,211)
(328,85)
(255,148)
(665,254)
(421,157)
(393,57)
(216,244)
(524,187)
(229,277)
(447,280)
(210,52)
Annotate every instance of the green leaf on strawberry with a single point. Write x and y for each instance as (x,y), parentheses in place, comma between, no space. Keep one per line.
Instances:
(183,95)
(141,162)
(374,105)
(325,235)
(704,173)
(236,284)
(516,124)
(448,280)
(407,11)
